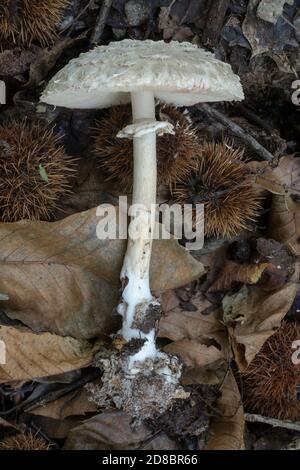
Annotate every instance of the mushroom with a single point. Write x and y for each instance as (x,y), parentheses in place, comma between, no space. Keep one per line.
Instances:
(180,74)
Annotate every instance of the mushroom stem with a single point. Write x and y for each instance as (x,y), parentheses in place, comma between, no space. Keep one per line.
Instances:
(135,272)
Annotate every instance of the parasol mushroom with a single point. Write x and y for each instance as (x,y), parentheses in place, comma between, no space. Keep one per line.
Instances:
(180,74)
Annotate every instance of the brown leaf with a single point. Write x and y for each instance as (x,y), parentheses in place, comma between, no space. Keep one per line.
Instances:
(113,430)
(48,57)
(236,272)
(282,264)
(282,180)
(255,316)
(287,173)
(284,222)
(110,430)
(60,277)
(228,429)
(178,324)
(30,355)
(56,428)
(200,340)
(193,353)
(73,403)
(171,26)
(284,219)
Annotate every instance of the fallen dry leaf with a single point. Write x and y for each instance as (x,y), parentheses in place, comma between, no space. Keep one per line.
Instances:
(113,430)
(237,272)
(200,340)
(255,316)
(56,428)
(47,58)
(30,355)
(284,222)
(73,403)
(193,353)
(60,277)
(264,36)
(287,173)
(284,218)
(178,324)
(228,429)
(171,27)
(110,430)
(271,10)
(282,264)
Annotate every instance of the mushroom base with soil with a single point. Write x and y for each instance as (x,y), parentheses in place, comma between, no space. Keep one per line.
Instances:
(146,393)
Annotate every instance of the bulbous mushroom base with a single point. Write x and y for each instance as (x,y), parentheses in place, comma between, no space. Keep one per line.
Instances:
(145,394)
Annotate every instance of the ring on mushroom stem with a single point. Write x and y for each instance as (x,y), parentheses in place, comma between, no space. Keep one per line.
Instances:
(138,72)
(175,152)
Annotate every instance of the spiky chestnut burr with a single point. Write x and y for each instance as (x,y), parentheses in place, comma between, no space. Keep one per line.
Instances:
(221,181)
(31,20)
(24,441)
(175,153)
(271,383)
(27,151)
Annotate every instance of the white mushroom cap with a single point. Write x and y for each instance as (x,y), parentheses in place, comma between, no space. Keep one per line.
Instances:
(177,73)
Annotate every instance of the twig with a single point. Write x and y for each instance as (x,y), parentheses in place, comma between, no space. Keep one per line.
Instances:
(289,22)
(252,117)
(100,21)
(71,26)
(276,423)
(238,131)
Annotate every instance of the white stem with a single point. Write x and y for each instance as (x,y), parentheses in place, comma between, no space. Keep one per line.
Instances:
(135,271)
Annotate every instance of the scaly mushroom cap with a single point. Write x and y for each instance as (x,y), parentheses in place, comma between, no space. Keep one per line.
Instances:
(178,73)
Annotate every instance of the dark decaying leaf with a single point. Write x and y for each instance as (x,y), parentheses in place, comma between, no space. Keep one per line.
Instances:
(264,36)
(113,430)
(73,403)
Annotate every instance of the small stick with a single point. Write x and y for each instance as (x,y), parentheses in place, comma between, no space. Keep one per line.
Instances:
(276,423)
(238,131)
(100,21)
(251,116)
